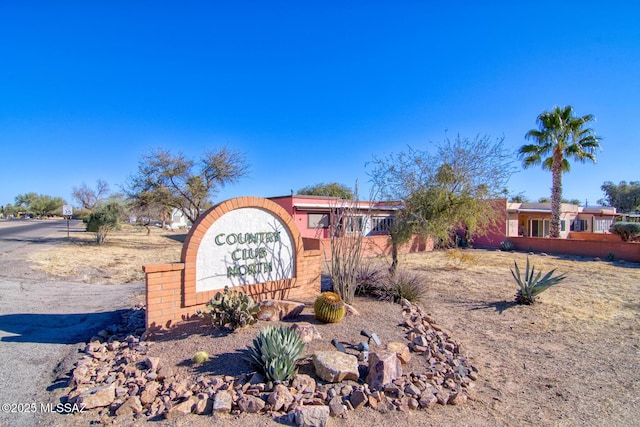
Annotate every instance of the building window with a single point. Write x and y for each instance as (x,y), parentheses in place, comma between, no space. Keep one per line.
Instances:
(540,227)
(353,224)
(602,225)
(381,224)
(580,225)
(317,220)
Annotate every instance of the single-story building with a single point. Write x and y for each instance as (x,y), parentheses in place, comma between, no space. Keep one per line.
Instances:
(534,219)
(316,216)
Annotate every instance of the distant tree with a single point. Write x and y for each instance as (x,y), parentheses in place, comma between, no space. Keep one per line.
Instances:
(333,189)
(149,205)
(560,136)
(625,197)
(40,205)
(182,183)
(9,210)
(449,189)
(88,197)
(544,200)
(572,201)
(519,198)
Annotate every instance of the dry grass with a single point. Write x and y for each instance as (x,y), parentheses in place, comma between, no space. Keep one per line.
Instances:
(593,291)
(118,260)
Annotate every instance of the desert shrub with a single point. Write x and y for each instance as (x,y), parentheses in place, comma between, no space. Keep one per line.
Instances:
(610,257)
(233,308)
(329,307)
(507,246)
(626,230)
(275,353)
(532,285)
(369,278)
(403,284)
(103,221)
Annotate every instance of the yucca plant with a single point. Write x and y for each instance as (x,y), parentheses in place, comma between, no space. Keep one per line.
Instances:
(275,353)
(533,284)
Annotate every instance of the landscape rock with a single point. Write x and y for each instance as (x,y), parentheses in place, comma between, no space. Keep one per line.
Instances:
(312,416)
(274,310)
(182,408)
(336,407)
(115,374)
(280,398)
(222,401)
(384,367)
(335,366)
(131,406)
(152,363)
(306,331)
(402,351)
(350,310)
(357,398)
(97,397)
(250,404)
(204,405)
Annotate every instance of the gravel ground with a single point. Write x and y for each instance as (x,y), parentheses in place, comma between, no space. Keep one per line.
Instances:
(41,323)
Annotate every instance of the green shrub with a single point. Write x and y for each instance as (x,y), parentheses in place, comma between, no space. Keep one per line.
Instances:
(532,285)
(507,246)
(403,284)
(233,308)
(103,220)
(626,230)
(275,353)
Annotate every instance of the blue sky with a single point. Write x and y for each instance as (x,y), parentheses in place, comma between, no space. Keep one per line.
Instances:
(309,91)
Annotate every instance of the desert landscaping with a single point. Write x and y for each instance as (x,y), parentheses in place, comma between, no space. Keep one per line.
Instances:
(570,359)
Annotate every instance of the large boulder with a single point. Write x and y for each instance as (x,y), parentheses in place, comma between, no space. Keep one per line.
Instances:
(335,366)
(97,397)
(271,309)
(384,367)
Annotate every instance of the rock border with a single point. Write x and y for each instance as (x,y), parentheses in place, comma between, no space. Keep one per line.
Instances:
(116,378)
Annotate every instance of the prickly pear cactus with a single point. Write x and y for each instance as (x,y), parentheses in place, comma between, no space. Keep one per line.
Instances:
(234,309)
(329,307)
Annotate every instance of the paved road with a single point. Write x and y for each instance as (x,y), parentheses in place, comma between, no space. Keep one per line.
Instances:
(15,234)
(42,321)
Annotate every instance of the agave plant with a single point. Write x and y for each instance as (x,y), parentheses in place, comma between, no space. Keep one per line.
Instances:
(532,285)
(275,352)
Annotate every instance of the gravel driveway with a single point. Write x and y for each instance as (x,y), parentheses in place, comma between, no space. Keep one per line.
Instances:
(42,323)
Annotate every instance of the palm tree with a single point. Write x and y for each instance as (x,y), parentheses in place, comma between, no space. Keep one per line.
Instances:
(560,135)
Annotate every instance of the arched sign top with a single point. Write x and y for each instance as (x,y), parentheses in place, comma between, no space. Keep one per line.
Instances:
(243,241)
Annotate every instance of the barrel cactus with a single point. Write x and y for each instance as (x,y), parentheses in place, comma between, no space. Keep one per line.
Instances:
(200,357)
(329,307)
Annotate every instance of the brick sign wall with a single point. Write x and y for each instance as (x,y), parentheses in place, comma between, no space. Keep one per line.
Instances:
(247,243)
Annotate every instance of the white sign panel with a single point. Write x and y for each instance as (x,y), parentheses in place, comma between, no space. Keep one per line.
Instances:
(67,210)
(243,247)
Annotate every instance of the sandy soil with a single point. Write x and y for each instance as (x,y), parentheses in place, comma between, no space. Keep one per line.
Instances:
(571,359)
